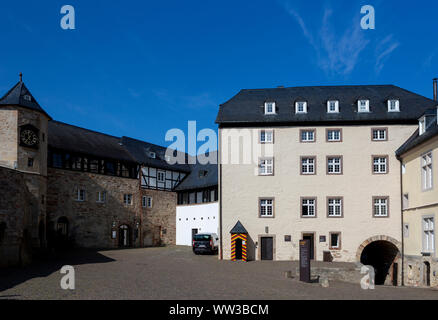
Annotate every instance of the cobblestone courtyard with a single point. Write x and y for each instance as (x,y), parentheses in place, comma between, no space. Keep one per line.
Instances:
(176,273)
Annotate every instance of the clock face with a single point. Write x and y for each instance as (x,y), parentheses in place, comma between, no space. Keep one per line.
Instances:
(29,137)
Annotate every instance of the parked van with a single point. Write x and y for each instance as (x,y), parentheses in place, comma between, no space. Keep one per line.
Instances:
(205,242)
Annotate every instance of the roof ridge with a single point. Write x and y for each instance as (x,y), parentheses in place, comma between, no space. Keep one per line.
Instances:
(324,86)
(82,128)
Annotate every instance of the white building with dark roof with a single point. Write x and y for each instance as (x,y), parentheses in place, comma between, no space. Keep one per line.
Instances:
(317,163)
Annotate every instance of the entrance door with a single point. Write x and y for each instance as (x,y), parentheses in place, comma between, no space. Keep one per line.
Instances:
(238,248)
(311,237)
(395,274)
(267,248)
(124,236)
(194,231)
(426,274)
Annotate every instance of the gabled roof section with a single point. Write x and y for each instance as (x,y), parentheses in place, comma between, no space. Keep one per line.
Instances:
(416,139)
(19,95)
(142,152)
(201,176)
(75,139)
(238,228)
(246,108)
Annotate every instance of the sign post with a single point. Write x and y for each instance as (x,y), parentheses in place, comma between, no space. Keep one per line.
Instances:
(305,261)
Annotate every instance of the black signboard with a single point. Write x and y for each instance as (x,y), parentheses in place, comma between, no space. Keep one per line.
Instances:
(305,260)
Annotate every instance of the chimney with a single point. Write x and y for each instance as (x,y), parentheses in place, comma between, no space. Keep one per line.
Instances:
(435,88)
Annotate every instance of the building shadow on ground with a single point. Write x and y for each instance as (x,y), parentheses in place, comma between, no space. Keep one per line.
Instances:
(46,264)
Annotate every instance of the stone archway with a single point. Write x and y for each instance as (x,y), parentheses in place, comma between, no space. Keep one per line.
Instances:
(383,253)
(373,239)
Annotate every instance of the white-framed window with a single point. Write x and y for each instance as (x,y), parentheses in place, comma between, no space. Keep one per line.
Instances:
(334,207)
(393,105)
(301,107)
(308,165)
(380,165)
(266,136)
(380,134)
(146,202)
(161,176)
(27,97)
(428,235)
(363,105)
(334,165)
(422,125)
(269,107)
(334,135)
(266,207)
(80,194)
(308,207)
(332,106)
(426,171)
(335,240)
(127,199)
(406,230)
(381,207)
(307,135)
(406,201)
(266,166)
(101,196)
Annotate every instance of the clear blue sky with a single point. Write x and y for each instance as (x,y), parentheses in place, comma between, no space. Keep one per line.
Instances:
(139,68)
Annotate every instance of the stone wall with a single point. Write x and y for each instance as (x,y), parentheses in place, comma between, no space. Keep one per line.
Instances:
(159,222)
(90,223)
(416,270)
(19,214)
(8,137)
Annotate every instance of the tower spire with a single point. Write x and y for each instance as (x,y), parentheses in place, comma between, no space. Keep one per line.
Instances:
(21,77)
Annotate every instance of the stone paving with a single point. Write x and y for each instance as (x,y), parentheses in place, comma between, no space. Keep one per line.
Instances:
(176,273)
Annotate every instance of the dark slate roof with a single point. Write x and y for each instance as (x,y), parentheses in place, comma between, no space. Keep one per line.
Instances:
(238,228)
(247,107)
(15,97)
(416,139)
(75,139)
(141,150)
(201,176)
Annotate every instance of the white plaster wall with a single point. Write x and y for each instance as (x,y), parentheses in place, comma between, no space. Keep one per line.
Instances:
(204,217)
(242,188)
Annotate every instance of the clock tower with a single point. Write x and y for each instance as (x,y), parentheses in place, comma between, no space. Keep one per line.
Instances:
(23,161)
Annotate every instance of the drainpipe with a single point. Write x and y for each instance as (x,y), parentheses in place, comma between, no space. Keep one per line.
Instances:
(402,225)
(221,256)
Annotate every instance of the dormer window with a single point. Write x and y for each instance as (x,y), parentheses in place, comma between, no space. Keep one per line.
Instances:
(422,125)
(152,155)
(203,173)
(363,106)
(27,97)
(393,105)
(300,107)
(332,106)
(269,107)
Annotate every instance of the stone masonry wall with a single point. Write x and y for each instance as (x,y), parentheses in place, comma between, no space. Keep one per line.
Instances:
(91,223)
(159,222)
(17,220)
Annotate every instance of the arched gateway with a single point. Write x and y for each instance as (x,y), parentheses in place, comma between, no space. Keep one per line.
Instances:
(383,253)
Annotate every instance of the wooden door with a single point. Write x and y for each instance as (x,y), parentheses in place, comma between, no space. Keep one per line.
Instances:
(267,248)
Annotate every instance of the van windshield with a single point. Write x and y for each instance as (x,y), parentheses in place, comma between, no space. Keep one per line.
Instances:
(202,237)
